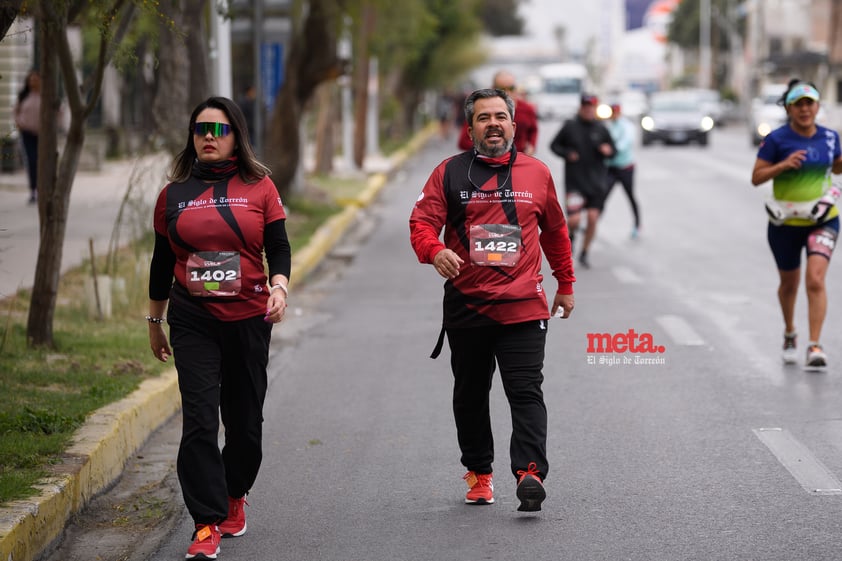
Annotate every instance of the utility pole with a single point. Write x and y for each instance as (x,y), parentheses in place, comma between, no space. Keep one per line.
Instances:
(221,33)
(345,53)
(704,44)
(373,114)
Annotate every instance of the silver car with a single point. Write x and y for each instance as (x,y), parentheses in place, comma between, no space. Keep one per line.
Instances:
(676,117)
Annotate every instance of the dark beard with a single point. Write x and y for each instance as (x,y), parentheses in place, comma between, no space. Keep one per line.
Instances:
(486,150)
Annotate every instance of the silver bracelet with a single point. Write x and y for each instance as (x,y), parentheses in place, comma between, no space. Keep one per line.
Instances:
(151,319)
(282,287)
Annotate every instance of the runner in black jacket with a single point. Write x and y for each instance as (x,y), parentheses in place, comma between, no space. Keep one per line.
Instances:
(585,144)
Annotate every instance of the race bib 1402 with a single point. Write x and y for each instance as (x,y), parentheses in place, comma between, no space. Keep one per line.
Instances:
(213,273)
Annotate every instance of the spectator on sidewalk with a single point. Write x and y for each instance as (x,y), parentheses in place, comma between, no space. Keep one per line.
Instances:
(28,120)
(213,223)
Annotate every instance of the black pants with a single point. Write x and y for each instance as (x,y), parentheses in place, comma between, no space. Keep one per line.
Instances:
(221,368)
(519,350)
(626,178)
(30,151)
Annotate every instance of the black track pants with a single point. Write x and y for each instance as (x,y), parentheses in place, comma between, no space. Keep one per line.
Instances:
(221,370)
(519,351)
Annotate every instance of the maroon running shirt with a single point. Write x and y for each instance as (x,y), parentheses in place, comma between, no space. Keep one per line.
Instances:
(469,198)
(220,224)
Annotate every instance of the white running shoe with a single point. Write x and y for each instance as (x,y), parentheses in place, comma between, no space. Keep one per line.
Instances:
(790,352)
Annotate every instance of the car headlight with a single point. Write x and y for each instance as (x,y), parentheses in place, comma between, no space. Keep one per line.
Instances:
(647,123)
(763,129)
(707,123)
(603,111)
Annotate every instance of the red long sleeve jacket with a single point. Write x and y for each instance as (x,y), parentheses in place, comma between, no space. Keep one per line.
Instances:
(468,198)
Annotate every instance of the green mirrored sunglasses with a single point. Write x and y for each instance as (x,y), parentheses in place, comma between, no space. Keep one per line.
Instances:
(216,129)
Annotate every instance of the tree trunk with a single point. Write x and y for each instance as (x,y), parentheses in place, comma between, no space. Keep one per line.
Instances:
(284,153)
(325,120)
(410,99)
(52,203)
(312,60)
(55,177)
(171,97)
(195,16)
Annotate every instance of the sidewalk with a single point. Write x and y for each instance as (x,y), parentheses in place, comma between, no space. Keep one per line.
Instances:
(94,203)
(111,435)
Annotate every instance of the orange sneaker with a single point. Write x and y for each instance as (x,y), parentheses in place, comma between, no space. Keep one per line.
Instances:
(481,490)
(530,489)
(235,525)
(205,542)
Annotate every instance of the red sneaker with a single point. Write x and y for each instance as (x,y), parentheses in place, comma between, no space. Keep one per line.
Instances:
(530,489)
(235,525)
(205,542)
(481,490)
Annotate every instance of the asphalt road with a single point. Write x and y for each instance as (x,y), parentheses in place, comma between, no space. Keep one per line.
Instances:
(711,450)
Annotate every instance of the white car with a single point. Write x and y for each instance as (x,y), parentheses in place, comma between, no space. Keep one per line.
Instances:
(767,113)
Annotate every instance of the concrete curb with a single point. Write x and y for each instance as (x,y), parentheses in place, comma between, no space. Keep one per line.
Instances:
(112,434)
(102,447)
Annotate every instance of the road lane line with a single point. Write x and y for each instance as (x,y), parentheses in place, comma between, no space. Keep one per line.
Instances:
(627,276)
(808,470)
(680,331)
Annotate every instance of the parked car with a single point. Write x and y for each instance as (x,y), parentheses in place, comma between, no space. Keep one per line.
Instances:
(676,117)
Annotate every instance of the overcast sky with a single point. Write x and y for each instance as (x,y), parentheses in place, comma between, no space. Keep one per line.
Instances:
(579,17)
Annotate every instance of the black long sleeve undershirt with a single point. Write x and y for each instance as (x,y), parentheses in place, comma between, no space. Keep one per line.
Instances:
(277,248)
(161,269)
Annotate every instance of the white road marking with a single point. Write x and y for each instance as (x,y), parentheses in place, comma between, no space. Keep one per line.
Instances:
(679,330)
(808,470)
